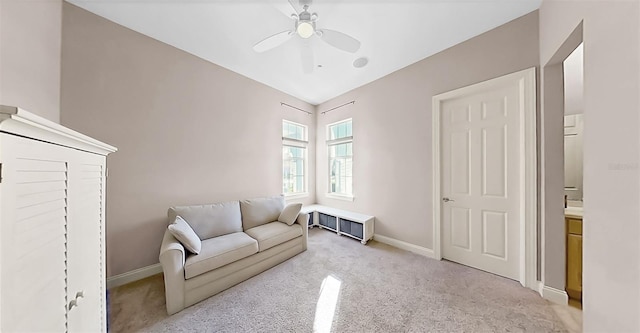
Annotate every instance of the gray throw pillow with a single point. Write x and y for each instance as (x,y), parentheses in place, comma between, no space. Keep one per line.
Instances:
(290,213)
(259,211)
(211,220)
(183,232)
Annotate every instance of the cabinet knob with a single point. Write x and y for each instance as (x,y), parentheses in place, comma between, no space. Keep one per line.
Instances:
(74,302)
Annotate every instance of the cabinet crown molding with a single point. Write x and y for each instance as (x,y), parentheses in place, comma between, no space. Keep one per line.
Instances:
(17,121)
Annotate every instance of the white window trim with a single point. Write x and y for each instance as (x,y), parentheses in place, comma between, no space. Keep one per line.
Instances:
(336,123)
(339,196)
(294,143)
(296,195)
(346,139)
(306,131)
(299,144)
(305,192)
(329,143)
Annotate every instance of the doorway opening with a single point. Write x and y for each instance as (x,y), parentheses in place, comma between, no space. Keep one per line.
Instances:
(484,169)
(573,71)
(561,171)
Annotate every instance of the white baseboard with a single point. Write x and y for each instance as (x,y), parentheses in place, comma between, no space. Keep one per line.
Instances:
(540,287)
(555,295)
(134,275)
(423,251)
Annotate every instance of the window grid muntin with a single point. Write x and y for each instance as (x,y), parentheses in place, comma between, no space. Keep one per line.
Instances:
(340,157)
(294,158)
(340,130)
(294,131)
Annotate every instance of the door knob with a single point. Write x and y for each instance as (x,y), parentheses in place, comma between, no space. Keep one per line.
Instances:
(447,199)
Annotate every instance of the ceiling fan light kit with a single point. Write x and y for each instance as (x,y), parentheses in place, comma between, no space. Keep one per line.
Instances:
(305,27)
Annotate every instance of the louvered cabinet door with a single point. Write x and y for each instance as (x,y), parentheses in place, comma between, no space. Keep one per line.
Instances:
(52,226)
(34,212)
(85,237)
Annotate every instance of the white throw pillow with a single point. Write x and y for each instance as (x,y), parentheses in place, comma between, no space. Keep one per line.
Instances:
(290,213)
(183,232)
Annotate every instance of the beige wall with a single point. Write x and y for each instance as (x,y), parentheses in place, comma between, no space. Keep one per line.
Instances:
(552,178)
(30,37)
(188,131)
(392,127)
(573,72)
(611,231)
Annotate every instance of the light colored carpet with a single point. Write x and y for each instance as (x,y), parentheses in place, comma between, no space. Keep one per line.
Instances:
(372,288)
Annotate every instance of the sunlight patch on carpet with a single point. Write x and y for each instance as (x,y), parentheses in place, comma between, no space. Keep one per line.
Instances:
(326,306)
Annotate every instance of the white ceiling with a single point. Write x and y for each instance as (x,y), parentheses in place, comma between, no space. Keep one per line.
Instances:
(394,34)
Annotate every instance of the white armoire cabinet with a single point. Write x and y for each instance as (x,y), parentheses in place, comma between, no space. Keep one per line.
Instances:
(52,226)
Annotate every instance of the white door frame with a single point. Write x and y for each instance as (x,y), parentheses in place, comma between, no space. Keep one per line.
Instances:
(528,167)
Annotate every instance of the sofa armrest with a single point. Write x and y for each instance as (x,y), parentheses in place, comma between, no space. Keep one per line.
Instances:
(303,221)
(172,258)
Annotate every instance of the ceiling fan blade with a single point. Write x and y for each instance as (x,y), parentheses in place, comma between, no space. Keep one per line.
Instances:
(295,5)
(272,41)
(340,40)
(284,7)
(307,57)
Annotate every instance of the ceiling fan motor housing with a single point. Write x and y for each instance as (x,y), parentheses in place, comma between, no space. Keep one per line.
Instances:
(306,24)
(305,15)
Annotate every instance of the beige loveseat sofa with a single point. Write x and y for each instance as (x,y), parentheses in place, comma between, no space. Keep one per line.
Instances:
(239,239)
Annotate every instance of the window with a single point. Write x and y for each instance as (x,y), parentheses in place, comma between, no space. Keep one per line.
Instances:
(294,158)
(340,146)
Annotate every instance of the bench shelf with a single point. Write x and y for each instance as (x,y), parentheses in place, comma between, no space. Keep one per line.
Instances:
(342,222)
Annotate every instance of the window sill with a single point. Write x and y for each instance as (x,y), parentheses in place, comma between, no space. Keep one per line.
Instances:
(340,196)
(296,195)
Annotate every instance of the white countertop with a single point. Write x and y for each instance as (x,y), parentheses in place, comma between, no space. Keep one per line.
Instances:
(573,212)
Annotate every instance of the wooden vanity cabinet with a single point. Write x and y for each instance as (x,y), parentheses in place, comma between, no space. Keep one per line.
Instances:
(574,257)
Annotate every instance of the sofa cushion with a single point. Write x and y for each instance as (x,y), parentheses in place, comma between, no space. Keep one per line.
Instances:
(219,251)
(259,211)
(181,230)
(290,213)
(210,220)
(274,233)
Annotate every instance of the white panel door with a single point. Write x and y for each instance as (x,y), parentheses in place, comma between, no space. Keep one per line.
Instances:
(480,179)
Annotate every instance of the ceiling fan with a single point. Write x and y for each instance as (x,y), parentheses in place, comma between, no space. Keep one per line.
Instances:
(305,27)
